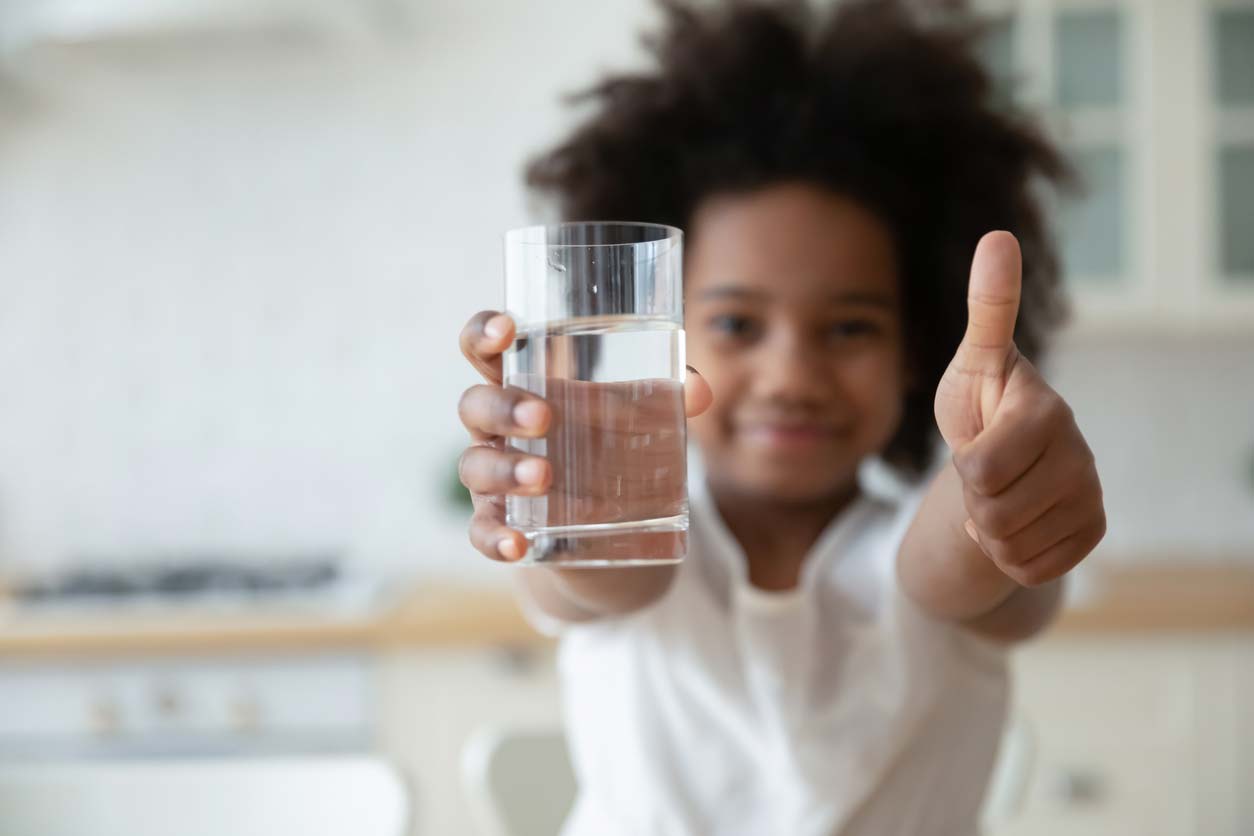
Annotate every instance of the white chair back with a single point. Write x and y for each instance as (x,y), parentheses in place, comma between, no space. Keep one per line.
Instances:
(519,782)
(1009,782)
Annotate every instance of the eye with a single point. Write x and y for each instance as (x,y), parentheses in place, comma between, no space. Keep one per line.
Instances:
(854,328)
(732,324)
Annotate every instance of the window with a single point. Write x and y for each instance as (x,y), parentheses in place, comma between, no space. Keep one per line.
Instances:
(1089,95)
(1232,41)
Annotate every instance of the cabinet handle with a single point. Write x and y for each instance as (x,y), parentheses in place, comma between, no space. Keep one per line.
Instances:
(168,702)
(105,717)
(1078,786)
(516,660)
(246,715)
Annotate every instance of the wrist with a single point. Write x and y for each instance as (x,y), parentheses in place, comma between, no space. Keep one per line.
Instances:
(612,591)
(965,584)
(940,567)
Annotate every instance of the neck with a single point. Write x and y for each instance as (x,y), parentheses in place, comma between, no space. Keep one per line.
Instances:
(776,536)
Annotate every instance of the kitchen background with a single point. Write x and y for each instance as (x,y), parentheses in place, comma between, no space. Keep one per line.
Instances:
(238,240)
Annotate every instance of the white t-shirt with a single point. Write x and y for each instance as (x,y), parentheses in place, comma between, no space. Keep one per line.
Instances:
(838,707)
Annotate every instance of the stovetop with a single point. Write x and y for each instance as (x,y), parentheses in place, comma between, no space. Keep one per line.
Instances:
(208,581)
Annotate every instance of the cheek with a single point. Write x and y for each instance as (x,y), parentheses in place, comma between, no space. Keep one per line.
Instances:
(874,382)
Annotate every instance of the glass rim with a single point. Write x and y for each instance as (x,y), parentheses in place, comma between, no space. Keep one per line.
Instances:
(535,235)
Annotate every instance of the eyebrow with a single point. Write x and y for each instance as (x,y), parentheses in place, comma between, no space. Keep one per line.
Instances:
(846,297)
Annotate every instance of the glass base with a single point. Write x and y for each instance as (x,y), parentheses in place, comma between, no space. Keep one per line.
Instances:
(656,542)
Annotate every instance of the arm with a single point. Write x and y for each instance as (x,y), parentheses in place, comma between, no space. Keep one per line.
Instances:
(576,595)
(1020,503)
(946,573)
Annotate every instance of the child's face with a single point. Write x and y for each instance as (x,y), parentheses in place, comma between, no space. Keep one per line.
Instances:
(793,315)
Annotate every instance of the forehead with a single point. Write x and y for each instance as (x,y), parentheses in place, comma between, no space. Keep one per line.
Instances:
(791,240)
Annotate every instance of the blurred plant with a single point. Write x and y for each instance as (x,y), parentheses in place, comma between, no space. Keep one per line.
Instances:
(454,491)
(1249,471)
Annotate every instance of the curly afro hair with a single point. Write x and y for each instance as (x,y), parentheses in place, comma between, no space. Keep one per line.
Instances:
(880,101)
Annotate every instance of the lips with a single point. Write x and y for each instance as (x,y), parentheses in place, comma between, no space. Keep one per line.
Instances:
(787,435)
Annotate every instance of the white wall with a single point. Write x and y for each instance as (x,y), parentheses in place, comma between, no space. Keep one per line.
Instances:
(234,269)
(1171,422)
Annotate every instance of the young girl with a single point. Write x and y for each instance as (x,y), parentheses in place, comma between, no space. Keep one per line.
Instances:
(830,656)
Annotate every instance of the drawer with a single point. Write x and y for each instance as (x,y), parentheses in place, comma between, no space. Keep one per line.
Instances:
(290,702)
(1111,693)
(1108,791)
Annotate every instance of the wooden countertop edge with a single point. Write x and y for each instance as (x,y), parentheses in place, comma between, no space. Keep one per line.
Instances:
(428,617)
(1165,598)
(1155,599)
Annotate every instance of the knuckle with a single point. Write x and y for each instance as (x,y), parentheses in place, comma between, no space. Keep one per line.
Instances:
(466,402)
(476,533)
(1023,413)
(503,469)
(996,518)
(461,465)
(1002,553)
(1097,532)
(483,523)
(1090,465)
(1033,574)
(1056,409)
(1080,470)
(979,470)
(1015,573)
(975,502)
(1030,577)
(503,403)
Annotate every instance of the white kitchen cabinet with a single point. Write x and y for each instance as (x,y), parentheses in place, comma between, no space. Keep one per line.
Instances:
(432,701)
(214,704)
(1142,735)
(1152,101)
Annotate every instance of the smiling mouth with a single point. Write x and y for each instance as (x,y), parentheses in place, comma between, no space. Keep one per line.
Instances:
(788,435)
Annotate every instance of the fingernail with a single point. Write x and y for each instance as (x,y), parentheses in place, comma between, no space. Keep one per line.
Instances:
(969,527)
(691,369)
(529,414)
(507,548)
(529,472)
(497,326)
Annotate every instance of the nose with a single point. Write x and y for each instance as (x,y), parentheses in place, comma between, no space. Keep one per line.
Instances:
(792,368)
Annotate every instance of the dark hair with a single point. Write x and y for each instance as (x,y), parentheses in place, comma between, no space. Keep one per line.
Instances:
(876,101)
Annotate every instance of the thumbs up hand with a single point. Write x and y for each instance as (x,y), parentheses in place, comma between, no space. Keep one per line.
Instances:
(1030,488)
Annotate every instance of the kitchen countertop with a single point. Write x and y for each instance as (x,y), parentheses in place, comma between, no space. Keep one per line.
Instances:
(428,614)
(1161,596)
(1152,597)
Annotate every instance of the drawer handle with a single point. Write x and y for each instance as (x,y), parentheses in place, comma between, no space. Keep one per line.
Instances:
(1078,786)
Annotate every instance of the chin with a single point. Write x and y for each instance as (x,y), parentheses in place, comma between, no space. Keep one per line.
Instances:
(792,481)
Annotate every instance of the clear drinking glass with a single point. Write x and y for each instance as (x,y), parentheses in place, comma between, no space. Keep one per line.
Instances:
(599,314)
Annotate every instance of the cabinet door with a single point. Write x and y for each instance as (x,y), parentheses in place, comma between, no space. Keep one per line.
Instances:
(1080,66)
(1223,730)
(1151,99)
(1114,727)
(1225,289)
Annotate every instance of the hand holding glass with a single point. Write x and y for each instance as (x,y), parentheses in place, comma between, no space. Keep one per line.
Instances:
(598,309)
